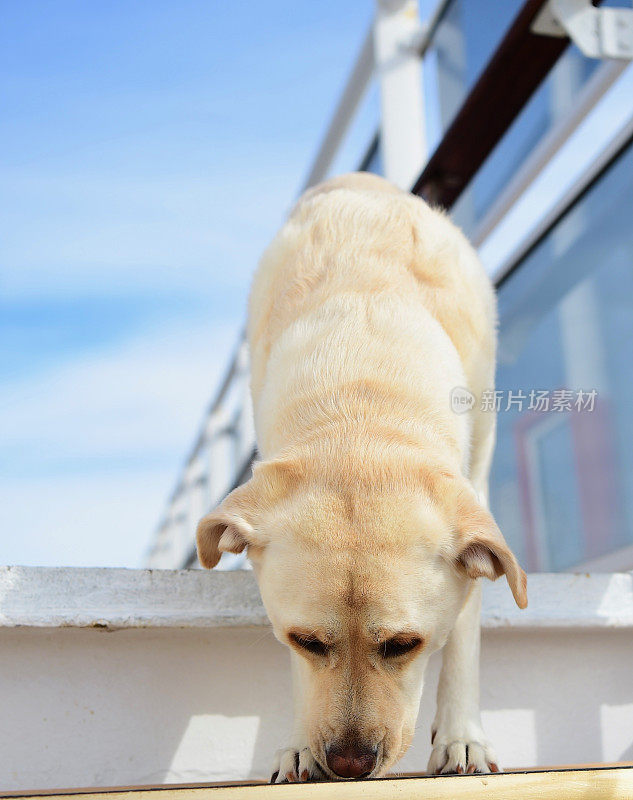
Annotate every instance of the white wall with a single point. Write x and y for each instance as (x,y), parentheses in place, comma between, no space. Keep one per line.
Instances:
(88,706)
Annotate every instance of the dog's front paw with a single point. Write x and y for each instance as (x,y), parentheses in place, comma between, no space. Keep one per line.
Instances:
(295,764)
(461,753)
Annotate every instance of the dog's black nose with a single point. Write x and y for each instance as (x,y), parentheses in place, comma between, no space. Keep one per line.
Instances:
(351,761)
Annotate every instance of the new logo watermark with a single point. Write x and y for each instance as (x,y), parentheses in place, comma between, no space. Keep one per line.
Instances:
(462,400)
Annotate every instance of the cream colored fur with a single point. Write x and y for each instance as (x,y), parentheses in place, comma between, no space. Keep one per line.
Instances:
(366,518)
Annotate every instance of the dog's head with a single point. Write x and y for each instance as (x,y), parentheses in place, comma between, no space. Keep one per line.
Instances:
(362,584)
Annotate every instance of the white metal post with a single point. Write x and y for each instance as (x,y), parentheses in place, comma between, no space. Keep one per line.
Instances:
(179,517)
(195,477)
(397,36)
(245,423)
(220,464)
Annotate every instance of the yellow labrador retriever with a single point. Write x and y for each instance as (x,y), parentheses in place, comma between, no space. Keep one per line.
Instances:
(366,520)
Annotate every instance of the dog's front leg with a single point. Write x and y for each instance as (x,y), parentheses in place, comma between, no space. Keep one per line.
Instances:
(295,762)
(459,743)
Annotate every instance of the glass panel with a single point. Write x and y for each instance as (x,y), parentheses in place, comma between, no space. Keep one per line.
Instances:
(552,101)
(464,42)
(562,478)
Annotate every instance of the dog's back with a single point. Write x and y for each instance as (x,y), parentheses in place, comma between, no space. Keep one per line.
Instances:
(367,302)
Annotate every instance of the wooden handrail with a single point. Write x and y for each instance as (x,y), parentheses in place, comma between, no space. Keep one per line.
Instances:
(517,68)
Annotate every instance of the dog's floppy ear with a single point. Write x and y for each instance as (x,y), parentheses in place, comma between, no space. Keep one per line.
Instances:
(234,523)
(482,551)
(221,532)
(227,529)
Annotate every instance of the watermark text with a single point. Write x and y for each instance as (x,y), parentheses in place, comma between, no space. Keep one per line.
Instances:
(537,400)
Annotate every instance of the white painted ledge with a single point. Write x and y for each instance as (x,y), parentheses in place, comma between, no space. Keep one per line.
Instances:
(54,597)
(43,597)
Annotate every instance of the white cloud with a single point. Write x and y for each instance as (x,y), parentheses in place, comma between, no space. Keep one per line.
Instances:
(122,400)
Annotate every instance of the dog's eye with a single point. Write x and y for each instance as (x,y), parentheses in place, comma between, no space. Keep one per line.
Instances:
(311,644)
(392,648)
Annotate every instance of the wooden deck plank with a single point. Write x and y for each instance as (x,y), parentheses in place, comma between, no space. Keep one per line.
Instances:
(613,782)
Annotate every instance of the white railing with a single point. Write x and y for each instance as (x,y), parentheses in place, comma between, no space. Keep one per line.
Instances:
(392,53)
(220,459)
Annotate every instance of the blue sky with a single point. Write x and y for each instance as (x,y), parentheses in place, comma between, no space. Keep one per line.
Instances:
(148,151)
